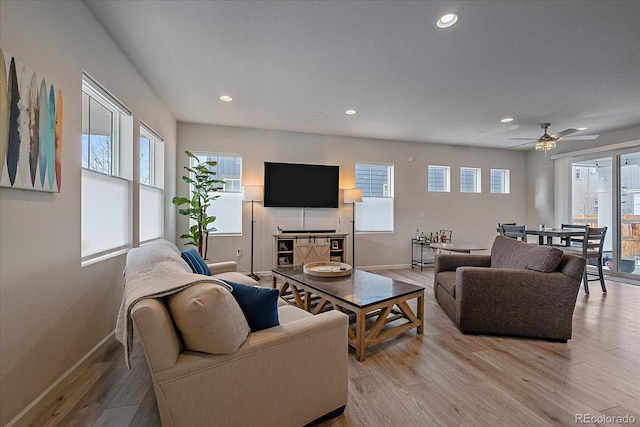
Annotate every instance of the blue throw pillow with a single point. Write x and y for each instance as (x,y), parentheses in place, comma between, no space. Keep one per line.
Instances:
(259,305)
(195,261)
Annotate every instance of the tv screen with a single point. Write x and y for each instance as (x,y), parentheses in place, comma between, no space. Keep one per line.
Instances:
(294,185)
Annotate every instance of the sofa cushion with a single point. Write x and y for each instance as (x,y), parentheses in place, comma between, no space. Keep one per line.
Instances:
(511,253)
(544,258)
(259,305)
(209,318)
(195,261)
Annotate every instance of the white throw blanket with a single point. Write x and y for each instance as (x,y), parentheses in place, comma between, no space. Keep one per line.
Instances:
(152,271)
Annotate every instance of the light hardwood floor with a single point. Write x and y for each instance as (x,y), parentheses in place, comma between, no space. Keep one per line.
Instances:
(441,378)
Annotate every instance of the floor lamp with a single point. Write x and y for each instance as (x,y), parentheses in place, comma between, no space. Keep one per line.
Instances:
(353,196)
(252,193)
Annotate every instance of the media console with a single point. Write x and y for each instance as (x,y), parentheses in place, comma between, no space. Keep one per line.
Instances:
(297,248)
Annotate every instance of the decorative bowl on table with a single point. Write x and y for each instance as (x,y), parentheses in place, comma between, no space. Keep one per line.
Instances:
(327,269)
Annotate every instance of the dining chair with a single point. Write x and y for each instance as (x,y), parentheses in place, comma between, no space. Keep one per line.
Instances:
(514,231)
(591,247)
(573,241)
(500,224)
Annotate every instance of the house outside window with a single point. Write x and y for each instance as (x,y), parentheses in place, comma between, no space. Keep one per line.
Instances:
(227,208)
(500,181)
(375,212)
(106,174)
(438,179)
(151,221)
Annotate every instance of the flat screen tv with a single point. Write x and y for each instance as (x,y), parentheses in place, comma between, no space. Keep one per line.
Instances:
(295,185)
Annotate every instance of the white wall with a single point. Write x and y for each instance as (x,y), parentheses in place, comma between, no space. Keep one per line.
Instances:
(472,217)
(52,311)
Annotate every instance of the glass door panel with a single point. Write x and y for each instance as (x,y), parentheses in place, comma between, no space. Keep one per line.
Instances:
(592,204)
(629,232)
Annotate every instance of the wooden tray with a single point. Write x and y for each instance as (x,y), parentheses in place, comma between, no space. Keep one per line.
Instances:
(327,269)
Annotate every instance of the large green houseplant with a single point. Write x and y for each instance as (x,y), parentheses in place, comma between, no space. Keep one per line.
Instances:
(203,185)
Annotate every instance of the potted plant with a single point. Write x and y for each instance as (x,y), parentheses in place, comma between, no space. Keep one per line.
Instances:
(203,185)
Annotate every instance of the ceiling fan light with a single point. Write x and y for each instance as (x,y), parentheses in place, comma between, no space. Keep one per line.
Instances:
(546,145)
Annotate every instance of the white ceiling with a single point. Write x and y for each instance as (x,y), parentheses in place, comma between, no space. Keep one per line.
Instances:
(298,65)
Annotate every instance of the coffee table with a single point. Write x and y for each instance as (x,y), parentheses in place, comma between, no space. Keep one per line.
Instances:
(378,303)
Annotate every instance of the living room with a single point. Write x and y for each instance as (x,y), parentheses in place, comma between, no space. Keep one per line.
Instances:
(56,313)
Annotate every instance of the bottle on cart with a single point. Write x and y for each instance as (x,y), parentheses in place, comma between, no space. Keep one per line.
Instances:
(418,234)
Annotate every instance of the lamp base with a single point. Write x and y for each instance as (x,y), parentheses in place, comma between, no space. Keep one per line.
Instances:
(254,276)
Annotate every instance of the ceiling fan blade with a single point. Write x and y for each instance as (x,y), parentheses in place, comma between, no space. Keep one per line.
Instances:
(525,139)
(521,145)
(564,132)
(579,138)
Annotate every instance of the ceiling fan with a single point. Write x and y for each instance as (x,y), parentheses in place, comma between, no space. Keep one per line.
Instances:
(548,142)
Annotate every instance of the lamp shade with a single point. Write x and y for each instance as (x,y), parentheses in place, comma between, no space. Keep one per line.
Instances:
(252,193)
(353,195)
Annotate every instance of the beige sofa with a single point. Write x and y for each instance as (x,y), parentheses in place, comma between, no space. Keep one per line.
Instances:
(518,290)
(286,375)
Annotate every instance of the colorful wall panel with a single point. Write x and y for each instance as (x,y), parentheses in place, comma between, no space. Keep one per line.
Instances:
(30,129)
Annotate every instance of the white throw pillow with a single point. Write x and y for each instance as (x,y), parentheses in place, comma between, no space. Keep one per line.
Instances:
(208,318)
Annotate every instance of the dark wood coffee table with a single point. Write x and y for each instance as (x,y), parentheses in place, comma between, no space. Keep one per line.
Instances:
(370,297)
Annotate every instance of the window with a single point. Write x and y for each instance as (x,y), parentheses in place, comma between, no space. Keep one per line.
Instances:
(470,180)
(438,178)
(375,212)
(151,219)
(227,208)
(106,174)
(500,181)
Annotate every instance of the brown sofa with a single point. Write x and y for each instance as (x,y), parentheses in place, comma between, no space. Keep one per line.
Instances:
(518,290)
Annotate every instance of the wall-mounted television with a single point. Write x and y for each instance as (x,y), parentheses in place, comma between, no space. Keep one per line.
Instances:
(295,185)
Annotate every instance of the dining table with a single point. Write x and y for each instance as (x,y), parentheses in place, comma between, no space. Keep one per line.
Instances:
(549,233)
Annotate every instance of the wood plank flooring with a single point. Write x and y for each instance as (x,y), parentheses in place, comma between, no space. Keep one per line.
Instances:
(441,378)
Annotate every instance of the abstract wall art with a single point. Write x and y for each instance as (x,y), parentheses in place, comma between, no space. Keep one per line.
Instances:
(30,129)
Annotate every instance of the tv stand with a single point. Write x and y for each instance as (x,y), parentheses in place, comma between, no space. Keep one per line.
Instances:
(296,248)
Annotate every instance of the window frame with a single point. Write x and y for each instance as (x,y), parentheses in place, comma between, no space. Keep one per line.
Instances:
(505,185)
(476,173)
(370,204)
(118,179)
(209,155)
(446,188)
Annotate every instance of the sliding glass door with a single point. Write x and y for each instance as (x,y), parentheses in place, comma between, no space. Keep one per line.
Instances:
(606,192)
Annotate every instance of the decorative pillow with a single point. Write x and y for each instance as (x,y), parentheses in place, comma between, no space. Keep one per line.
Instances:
(208,318)
(259,305)
(544,258)
(195,261)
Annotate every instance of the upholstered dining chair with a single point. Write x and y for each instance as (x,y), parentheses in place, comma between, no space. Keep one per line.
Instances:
(591,247)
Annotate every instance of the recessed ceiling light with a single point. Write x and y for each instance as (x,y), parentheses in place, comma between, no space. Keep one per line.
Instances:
(583,128)
(350,112)
(506,120)
(226,98)
(446,21)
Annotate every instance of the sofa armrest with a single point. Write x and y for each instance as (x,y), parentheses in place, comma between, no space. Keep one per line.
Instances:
(302,363)
(222,267)
(514,302)
(450,262)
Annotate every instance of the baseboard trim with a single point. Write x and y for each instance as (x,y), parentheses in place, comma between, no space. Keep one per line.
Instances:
(44,399)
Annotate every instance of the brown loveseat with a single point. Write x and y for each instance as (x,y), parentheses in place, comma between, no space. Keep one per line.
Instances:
(518,290)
